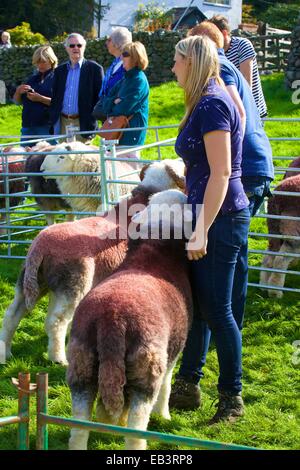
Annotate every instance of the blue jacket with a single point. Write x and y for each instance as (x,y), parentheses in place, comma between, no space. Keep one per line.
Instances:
(90,82)
(257,151)
(133,89)
(35,113)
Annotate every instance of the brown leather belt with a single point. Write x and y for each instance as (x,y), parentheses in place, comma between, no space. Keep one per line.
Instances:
(70,116)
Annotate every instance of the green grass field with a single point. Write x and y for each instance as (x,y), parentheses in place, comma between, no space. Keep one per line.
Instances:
(270,373)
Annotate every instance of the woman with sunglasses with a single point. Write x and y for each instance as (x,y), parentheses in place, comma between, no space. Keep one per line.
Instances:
(210,143)
(129,96)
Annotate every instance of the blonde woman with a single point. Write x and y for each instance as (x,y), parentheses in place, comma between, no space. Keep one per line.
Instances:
(35,94)
(210,143)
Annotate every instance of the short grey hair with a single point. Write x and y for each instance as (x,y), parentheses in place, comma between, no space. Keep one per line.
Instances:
(120,36)
(74,35)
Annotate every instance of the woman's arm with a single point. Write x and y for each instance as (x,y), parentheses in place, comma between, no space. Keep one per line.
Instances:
(34,96)
(21,89)
(218,151)
(131,95)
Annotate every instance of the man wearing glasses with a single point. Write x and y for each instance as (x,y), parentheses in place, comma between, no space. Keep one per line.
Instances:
(76,88)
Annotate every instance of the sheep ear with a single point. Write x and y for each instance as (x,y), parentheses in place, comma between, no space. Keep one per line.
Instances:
(179,180)
(143,171)
(68,147)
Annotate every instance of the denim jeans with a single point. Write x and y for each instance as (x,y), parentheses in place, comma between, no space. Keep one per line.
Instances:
(256,189)
(212,279)
(26,132)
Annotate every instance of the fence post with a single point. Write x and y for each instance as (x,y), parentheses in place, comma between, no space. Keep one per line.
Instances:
(104,191)
(42,407)
(23,410)
(115,190)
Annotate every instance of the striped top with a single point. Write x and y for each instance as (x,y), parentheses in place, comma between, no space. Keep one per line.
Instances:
(241,49)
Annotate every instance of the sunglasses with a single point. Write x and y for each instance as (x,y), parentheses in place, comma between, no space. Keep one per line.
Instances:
(125,54)
(74,45)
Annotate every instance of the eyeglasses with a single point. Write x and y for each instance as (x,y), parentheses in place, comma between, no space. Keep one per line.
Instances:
(125,54)
(74,45)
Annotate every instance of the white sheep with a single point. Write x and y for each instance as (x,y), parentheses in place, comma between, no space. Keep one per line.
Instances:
(78,184)
(128,332)
(68,259)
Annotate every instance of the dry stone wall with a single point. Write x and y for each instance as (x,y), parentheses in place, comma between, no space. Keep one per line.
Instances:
(293,66)
(16,66)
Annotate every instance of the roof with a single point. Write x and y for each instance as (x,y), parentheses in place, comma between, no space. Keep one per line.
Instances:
(177,12)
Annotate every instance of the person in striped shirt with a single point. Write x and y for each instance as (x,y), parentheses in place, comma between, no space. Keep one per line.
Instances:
(241,53)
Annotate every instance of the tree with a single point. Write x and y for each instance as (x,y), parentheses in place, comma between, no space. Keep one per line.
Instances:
(281,16)
(151,16)
(260,6)
(49,17)
(23,36)
(99,12)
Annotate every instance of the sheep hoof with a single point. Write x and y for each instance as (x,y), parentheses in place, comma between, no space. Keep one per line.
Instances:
(275,294)
(58,360)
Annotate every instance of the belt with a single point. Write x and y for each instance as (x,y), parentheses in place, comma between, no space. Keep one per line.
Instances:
(70,116)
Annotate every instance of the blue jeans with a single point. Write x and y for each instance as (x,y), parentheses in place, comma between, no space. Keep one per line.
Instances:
(26,132)
(212,279)
(256,188)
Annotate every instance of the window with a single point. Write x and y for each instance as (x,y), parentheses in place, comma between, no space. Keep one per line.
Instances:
(218,2)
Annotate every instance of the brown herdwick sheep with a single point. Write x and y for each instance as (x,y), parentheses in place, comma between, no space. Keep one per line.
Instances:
(68,259)
(127,334)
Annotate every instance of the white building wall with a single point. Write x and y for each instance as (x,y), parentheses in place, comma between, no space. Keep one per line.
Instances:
(122,12)
(232,12)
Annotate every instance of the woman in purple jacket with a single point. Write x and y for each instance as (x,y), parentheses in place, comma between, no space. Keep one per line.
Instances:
(210,143)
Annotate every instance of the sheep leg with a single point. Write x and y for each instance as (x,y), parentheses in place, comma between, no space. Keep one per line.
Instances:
(14,314)
(280,262)
(70,217)
(82,404)
(60,314)
(139,413)
(50,218)
(265,275)
(161,406)
(3,231)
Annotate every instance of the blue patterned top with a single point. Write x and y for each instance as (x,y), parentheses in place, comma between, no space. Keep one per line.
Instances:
(112,76)
(215,111)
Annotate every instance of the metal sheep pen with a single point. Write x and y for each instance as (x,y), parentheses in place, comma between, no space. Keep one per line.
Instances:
(21,218)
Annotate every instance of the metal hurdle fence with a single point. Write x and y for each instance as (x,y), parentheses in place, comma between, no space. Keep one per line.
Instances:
(43,420)
(108,153)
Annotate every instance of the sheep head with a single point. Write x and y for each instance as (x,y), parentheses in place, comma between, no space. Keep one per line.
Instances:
(62,163)
(166,209)
(164,175)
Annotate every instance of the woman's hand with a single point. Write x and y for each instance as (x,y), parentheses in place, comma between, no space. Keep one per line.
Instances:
(34,96)
(21,89)
(196,246)
(117,100)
